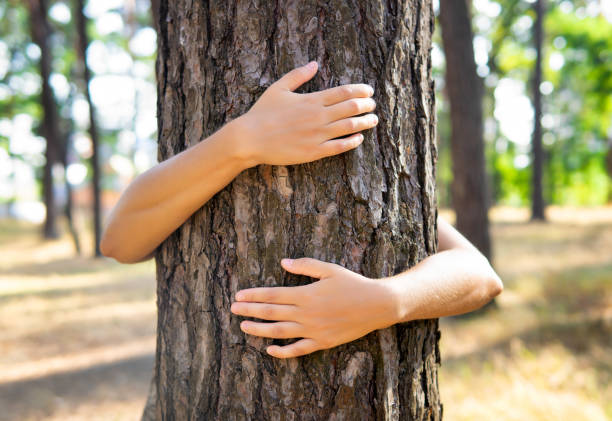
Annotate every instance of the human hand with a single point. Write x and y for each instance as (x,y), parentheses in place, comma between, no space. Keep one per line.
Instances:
(286,128)
(340,307)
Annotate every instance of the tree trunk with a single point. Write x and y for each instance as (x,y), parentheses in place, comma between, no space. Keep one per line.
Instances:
(609,168)
(537,197)
(464,87)
(371,210)
(40,29)
(83,42)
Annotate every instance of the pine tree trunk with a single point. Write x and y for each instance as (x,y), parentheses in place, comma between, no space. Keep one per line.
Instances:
(83,43)
(371,210)
(41,31)
(537,195)
(464,87)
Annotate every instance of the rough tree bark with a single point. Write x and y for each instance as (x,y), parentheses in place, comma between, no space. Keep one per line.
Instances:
(83,43)
(371,210)
(464,87)
(40,29)
(537,196)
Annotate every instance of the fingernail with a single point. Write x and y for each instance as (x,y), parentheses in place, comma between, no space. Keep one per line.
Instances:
(371,90)
(312,64)
(375,119)
(239,296)
(287,262)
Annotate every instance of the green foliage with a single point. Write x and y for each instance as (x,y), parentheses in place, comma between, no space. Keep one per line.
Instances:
(577,99)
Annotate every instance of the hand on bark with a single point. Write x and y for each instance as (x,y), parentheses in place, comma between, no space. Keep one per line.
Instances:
(340,307)
(286,128)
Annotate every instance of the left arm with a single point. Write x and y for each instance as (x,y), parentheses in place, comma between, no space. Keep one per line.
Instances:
(456,280)
(343,305)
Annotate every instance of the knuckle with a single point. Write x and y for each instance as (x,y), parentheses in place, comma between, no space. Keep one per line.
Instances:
(351,124)
(354,106)
(346,91)
(267,311)
(269,295)
(276,331)
(339,147)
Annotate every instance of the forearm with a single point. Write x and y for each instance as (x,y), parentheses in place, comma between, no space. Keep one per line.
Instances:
(450,282)
(161,199)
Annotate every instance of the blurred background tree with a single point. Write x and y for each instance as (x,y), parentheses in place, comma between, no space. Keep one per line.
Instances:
(120,56)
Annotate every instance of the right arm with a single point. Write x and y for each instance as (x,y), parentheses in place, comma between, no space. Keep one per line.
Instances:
(281,128)
(159,200)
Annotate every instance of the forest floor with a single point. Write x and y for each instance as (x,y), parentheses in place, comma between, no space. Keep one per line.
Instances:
(77,335)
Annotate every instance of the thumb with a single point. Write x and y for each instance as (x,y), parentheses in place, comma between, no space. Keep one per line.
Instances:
(308,266)
(298,76)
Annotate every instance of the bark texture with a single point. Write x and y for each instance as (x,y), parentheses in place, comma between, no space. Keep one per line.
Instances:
(464,88)
(371,210)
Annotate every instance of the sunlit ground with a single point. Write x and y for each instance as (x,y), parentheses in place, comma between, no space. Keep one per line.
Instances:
(77,335)
(546,352)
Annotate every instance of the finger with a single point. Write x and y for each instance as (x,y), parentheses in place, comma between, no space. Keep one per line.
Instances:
(273,295)
(350,107)
(338,146)
(350,125)
(264,311)
(308,266)
(279,330)
(296,349)
(298,76)
(337,94)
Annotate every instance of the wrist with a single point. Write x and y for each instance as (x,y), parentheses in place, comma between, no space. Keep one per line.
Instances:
(241,133)
(399,304)
(390,293)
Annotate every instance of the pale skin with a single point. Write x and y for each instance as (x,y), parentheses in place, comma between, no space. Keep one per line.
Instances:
(287,128)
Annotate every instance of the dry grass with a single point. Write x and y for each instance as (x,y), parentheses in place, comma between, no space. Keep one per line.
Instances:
(546,352)
(77,335)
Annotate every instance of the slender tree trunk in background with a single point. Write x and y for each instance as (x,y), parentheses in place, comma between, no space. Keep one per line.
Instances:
(41,33)
(155,13)
(537,196)
(371,210)
(609,168)
(65,127)
(68,209)
(469,186)
(70,218)
(83,43)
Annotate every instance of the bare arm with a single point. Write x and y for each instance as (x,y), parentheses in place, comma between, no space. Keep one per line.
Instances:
(458,279)
(281,128)
(342,305)
(161,199)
